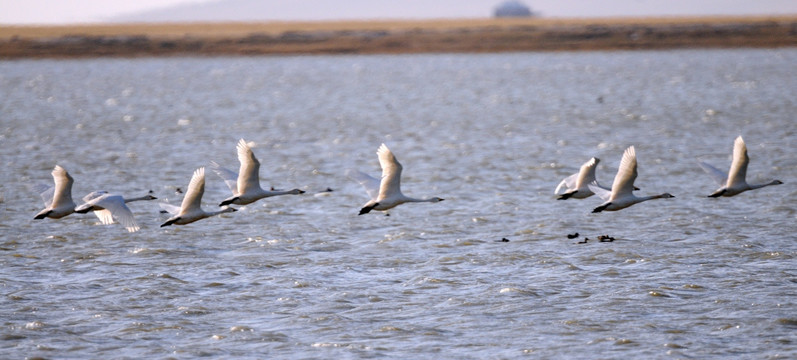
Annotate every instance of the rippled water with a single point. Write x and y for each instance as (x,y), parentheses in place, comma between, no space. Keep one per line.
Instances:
(305,277)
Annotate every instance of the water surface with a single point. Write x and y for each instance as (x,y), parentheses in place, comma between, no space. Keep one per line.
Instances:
(493,134)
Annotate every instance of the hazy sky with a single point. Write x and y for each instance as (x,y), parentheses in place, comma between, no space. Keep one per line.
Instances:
(72,11)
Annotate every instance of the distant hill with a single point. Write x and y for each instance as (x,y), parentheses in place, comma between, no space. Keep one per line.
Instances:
(299,10)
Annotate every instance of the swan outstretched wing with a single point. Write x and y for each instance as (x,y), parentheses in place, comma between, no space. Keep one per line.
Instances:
(47,192)
(92,197)
(719,176)
(169,208)
(63,185)
(368,182)
(626,174)
(115,208)
(602,192)
(230,177)
(566,184)
(738,171)
(196,188)
(249,173)
(390,184)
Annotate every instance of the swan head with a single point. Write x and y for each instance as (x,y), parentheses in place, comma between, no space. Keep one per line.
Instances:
(435,199)
(149,197)
(666,196)
(228,209)
(776,182)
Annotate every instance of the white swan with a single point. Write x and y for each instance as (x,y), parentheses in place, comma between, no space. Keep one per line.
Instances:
(108,207)
(577,185)
(621,196)
(245,185)
(57,200)
(191,208)
(734,183)
(387,194)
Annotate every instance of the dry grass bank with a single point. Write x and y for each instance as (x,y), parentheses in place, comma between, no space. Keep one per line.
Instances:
(461,35)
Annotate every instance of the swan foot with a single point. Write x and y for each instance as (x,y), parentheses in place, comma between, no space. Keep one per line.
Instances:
(42,215)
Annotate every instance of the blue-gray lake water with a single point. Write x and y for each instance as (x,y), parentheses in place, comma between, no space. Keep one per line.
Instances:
(306,277)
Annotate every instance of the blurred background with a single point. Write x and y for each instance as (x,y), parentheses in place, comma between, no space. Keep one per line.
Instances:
(115,11)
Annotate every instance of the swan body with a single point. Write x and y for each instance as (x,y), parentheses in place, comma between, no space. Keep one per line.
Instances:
(734,183)
(108,207)
(58,199)
(385,193)
(245,185)
(621,196)
(576,186)
(191,207)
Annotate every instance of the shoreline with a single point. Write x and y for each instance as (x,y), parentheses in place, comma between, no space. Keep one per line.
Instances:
(395,37)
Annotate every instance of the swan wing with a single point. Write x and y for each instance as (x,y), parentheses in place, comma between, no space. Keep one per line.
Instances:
(63,186)
(196,188)
(738,171)
(230,177)
(105,216)
(368,182)
(93,196)
(566,184)
(46,192)
(169,208)
(249,174)
(390,184)
(719,176)
(602,192)
(586,174)
(626,174)
(115,208)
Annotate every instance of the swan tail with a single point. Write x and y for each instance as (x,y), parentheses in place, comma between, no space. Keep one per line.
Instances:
(566,196)
(601,208)
(718,193)
(228,201)
(368,209)
(170,222)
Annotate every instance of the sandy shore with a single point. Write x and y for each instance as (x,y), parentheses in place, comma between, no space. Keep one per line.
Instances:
(371,37)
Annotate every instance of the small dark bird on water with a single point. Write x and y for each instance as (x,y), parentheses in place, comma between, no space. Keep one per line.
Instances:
(605,238)
(583,242)
(572,236)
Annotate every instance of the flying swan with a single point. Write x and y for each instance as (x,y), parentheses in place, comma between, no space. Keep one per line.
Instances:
(621,196)
(191,208)
(58,199)
(245,185)
(733,183)
(577,185)
(109,206)
(385,193)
